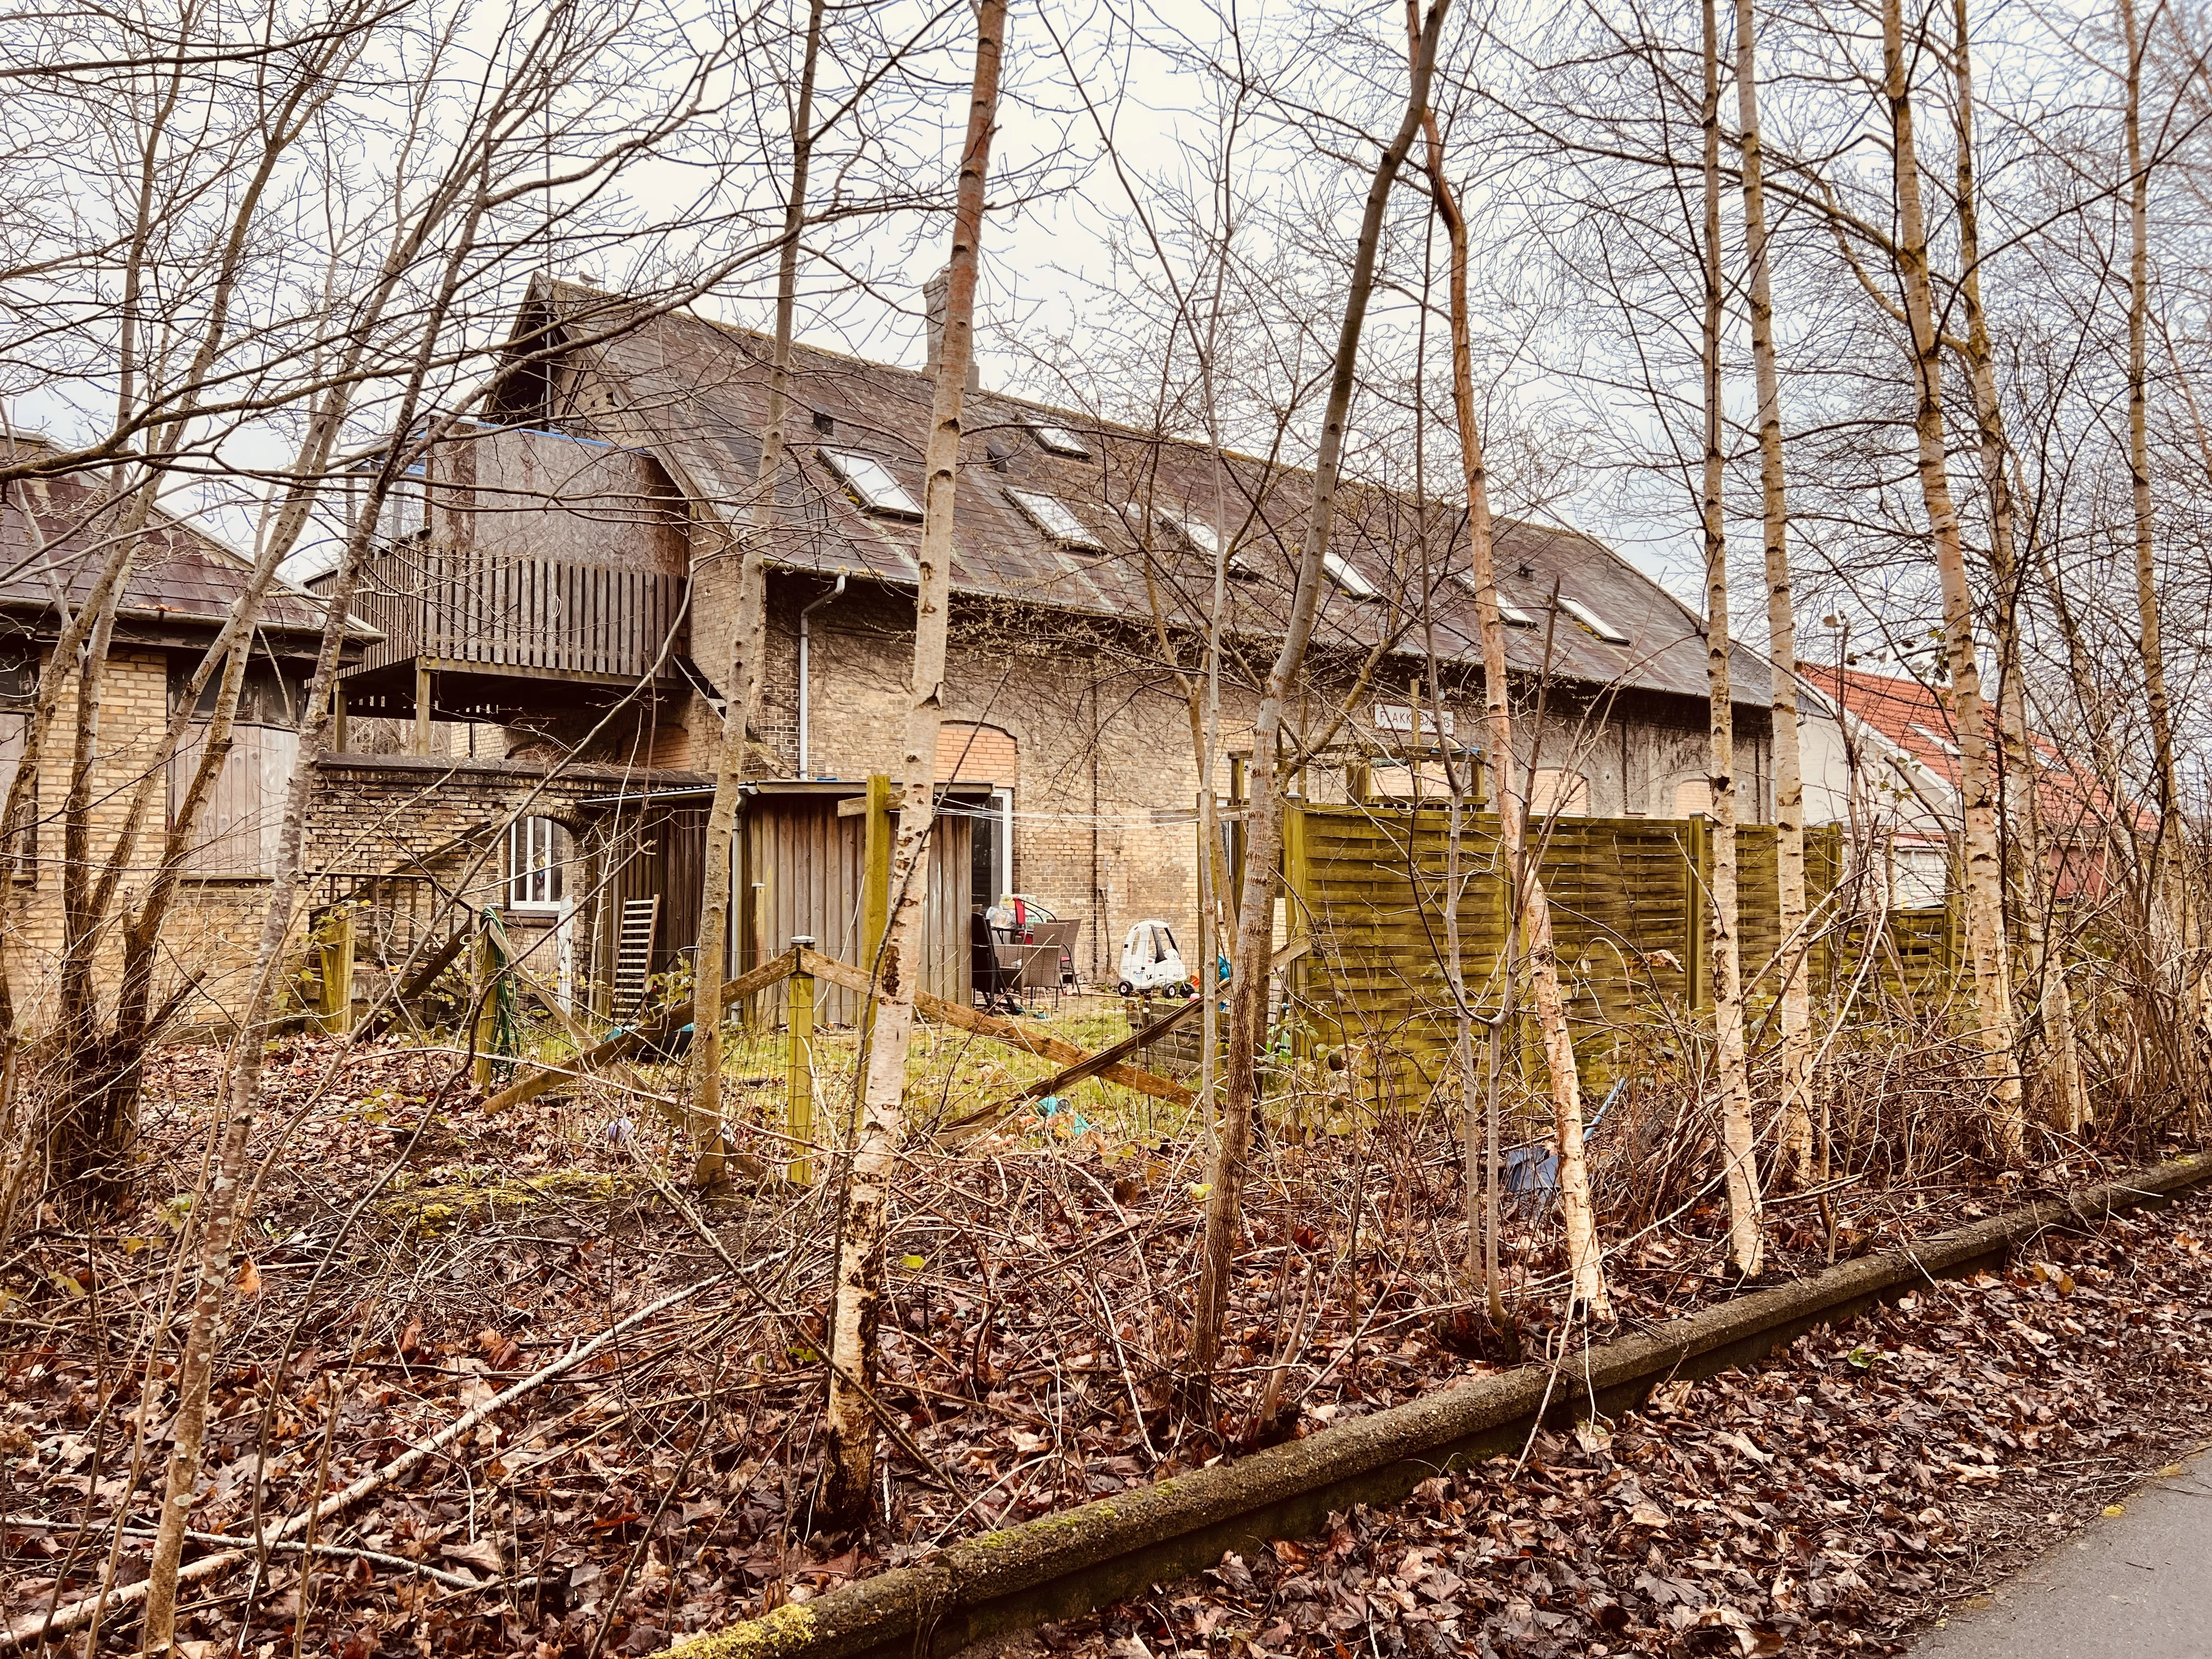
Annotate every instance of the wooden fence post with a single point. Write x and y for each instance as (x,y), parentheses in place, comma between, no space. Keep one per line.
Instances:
(1298,882)
(338,954)
(1697,886)
(877,833)
(485,991)
(799,1113)
(756,952)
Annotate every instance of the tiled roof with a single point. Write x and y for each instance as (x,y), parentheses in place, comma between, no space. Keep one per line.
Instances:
(55,530)
(1917,719)
(699,391)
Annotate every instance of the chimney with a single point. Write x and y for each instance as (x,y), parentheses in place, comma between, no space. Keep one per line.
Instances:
(933,294)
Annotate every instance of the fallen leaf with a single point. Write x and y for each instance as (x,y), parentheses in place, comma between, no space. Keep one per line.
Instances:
(483,1553)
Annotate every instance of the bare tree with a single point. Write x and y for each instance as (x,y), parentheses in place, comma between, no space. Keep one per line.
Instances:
(1745,1241)
(747,642)
(849,1461)
(1531,907)
(1984,879)
(1796,1002)
(1264,824)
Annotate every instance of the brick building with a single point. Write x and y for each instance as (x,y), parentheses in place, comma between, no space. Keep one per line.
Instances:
(180,587)
(620,473)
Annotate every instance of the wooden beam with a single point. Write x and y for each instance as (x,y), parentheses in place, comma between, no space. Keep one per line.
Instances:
(1007,1031)
(537,1082)
(1098,1063)
(417,983)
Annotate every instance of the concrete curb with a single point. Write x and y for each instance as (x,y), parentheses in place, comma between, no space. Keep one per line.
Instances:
(1063,1564)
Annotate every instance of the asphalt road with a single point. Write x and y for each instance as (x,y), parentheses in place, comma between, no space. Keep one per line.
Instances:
(2136,1585)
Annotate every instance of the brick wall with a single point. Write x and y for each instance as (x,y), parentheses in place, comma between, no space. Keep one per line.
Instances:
(211,930)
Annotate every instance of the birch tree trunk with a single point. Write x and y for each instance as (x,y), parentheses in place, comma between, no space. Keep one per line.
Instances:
(747,639)
(1530,908)
(849,1475)
(2171,884)
(1732,1071)
(1796,1010)
(2068,1103)
(1990,970)
(1247,1004)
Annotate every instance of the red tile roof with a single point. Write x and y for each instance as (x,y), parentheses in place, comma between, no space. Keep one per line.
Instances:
(1917,718)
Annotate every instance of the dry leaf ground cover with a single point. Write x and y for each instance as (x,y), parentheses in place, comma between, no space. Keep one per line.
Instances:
(1827,1502)
(412,1257)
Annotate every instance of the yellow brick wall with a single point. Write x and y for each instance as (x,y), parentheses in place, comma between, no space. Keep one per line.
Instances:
(211,930)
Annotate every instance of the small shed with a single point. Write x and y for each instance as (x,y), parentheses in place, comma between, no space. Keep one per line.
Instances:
(803,859)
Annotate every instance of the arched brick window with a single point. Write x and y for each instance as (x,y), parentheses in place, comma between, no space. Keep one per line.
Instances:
(970,752)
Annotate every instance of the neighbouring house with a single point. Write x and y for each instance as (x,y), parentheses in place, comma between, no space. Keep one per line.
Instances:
(55,535)
(1882,757)
(558,585)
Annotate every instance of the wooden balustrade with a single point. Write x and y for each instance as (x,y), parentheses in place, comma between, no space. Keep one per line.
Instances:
(520,615)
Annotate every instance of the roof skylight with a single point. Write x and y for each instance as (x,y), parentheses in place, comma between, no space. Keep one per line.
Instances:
(1590,620)
(1201,535)
(1051,514)
(869,480)
(1511,614)
(1060,442)
(1340,572)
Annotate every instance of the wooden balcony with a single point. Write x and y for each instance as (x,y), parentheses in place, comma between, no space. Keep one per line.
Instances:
(511,615)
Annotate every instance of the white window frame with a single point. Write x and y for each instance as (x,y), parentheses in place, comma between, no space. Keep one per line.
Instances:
(1590,620)
(1346,576)
(532,878)
(1057,520)
(1511,614)
(875,486)
(1059,441)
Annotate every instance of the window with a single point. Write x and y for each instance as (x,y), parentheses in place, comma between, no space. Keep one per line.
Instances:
(1920,878)
(1199,534)
(1052,515)
(537,848)
(1060,442)
(991,854)
(20,847)
(1341,573)
(1693,798)
(872,484)
(1591,621)
(1511,614)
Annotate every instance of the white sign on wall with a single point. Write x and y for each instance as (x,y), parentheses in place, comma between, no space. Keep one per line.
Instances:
(1400,717)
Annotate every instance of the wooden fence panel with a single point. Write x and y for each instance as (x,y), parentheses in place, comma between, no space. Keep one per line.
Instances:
(1629,903)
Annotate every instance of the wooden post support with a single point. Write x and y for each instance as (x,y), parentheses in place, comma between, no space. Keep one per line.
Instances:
(1697,889)
(756,948)
(878,824)
(424,691)
(484,993)
(337,949)
(337,717)
(798,1115)
(876,866)
(1298,882)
